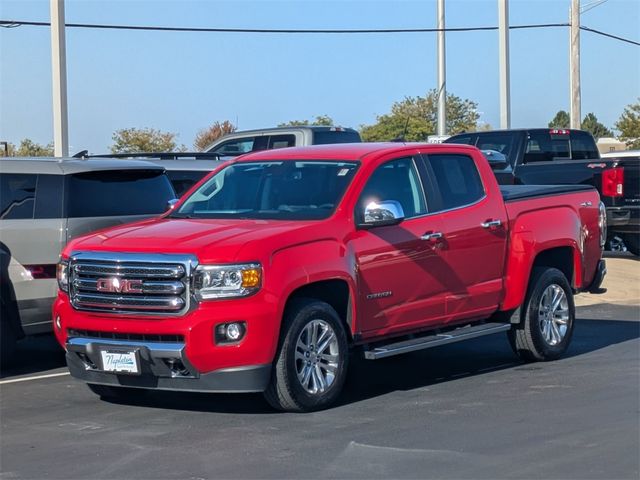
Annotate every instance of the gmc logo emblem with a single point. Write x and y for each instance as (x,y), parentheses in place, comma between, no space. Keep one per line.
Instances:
(117,285)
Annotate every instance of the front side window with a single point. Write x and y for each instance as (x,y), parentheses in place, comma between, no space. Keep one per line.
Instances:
(396,180)
(110,193)
(235,147)
(498,142)
(276,190)
(17,195)
(457,179)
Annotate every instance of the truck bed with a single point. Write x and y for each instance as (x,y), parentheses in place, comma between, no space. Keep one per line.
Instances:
(521,192)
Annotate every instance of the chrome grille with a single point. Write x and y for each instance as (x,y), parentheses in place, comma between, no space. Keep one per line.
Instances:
(153,284)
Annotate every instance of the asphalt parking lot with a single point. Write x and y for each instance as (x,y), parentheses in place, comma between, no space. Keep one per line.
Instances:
(468,410)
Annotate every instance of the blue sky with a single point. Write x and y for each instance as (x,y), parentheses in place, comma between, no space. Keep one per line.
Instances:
(182,82)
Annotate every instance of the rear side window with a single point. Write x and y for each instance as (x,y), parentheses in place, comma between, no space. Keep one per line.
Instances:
(457,179)
(282,141)
(324,137)
(503,143)
(183,180)
(17,195)
(118,193)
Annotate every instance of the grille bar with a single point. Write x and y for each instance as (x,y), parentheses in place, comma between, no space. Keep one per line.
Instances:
(128,302)
(148,286)
(129,270)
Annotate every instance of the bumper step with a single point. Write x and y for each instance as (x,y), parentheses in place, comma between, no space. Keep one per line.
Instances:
(414,344)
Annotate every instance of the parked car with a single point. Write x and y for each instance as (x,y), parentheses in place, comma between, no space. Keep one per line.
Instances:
(272,270)
(543,156)
(184,169)
(44,203)
(238,143)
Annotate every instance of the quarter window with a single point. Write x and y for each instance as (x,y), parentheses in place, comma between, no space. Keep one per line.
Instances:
(396,180)
(17,196)
(457,179)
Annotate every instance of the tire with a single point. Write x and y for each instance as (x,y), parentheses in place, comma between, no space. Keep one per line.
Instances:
(116,393)
(294,386)
(544,331)
(632,241)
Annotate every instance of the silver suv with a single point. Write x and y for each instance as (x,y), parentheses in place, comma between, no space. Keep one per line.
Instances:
(44,203)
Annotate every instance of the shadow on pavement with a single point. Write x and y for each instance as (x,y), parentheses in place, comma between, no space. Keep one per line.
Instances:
(368,379)
(34,354)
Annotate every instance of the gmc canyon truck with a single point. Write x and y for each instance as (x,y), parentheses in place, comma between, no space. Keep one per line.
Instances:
(543,156)
(271,270)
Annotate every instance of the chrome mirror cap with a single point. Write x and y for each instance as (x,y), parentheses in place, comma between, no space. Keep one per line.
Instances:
(388,212)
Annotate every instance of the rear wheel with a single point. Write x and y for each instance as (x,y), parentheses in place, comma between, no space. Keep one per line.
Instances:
(632,241)
(547,317)
(311,363)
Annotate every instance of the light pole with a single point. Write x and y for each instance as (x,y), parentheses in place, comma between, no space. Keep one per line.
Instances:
(574,64)
(442,90)
(59,80)
(503,54)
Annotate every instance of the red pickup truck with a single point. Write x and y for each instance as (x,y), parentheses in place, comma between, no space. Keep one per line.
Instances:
(273,269)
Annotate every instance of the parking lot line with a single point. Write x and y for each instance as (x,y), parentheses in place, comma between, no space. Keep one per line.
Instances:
(36,377)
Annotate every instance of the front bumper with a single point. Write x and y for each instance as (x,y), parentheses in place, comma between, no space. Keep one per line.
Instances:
(163,366)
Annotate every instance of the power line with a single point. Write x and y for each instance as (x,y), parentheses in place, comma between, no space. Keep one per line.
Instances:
(19,23)
(622,39)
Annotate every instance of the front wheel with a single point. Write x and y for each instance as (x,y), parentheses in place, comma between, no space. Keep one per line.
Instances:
(546,318)
(311,363)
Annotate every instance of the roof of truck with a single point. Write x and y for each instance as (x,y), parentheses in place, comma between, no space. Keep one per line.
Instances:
(342,151)
(67,166)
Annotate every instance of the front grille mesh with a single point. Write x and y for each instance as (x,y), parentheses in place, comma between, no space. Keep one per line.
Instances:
(128,286)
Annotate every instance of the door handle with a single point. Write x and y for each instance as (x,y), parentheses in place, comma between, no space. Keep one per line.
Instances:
(491,224)
(432,236)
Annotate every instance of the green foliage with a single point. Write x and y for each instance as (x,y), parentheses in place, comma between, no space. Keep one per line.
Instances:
(594,127)
(419,116)
(320,120)
(561,120)
(134,140)
(29,148)
(629,125)
(207,136)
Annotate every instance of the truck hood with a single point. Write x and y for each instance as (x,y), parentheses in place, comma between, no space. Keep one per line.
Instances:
(210,240)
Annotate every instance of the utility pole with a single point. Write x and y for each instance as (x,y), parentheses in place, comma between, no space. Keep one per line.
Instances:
(59,79)
(574,63)
(503,40)
(442,90)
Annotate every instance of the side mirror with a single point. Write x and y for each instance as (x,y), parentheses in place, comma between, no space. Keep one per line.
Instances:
(172,203)
(497,160)
(384,213)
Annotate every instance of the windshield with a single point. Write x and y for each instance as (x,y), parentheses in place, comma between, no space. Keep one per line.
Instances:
(289,190)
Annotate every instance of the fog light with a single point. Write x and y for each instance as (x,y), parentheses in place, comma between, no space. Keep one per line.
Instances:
(57,322)
(230,332)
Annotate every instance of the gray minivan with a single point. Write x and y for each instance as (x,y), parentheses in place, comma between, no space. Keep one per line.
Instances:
(44,203)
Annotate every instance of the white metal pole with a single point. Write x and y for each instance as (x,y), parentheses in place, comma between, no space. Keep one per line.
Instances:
(59,79)
(574,64)
(505,87)
(442,90)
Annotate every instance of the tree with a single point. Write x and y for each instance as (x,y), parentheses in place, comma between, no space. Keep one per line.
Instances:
(321,120)
(561,120)
(414,118)
(29,148)
(594,127)
(629,125)
(134,140)
(207,136)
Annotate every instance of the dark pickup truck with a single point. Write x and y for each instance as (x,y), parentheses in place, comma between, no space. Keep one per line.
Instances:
(543,156)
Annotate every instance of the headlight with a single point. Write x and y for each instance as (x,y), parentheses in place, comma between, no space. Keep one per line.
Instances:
(62,274)
(224,281)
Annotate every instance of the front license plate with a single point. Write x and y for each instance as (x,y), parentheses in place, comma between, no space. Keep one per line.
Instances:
(120,362)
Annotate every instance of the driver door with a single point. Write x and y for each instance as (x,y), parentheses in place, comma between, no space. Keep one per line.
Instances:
(398,266)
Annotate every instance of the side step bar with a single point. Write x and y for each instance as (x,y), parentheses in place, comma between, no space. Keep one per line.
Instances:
(458,335)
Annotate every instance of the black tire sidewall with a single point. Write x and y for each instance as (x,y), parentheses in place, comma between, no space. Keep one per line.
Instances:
(545,278)
(305,313)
